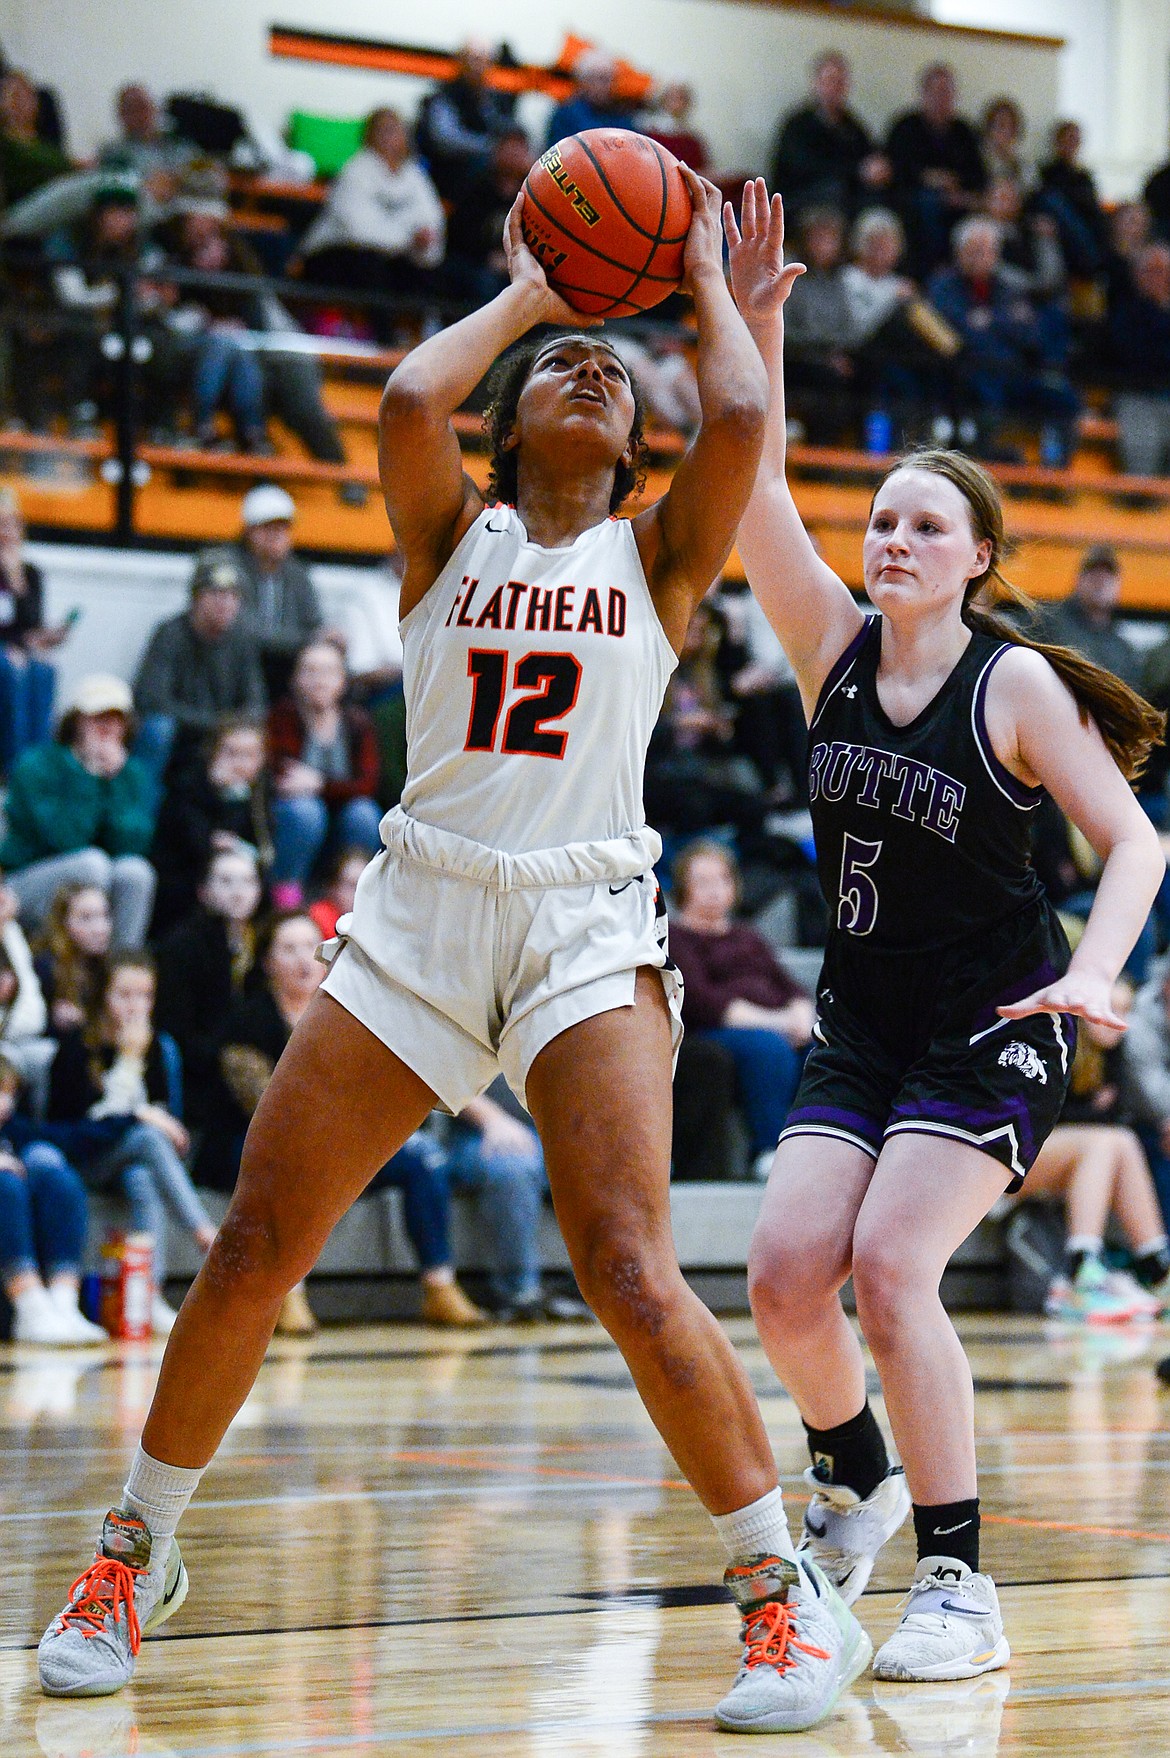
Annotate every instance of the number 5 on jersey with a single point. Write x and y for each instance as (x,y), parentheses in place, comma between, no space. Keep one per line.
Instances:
(552,681)
(858,906)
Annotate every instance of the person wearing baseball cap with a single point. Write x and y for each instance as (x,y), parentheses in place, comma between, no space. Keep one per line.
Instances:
(200,666)
(81,812)
(279,600)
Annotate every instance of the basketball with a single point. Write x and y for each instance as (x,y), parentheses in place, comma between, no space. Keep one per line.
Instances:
(606,214)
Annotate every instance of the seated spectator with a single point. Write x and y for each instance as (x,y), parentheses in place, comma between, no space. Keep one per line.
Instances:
(80,812)
(938,172)
(1139,339)
(825,155)
(736,992)
(1095,1163)
(215,802)
(1011,362)
(1000,135)
(674,104)
(817,364)
(201,666)
(1130,230)
(28,682)
(460,122)
(1087,619)
(24,1016)
(1029,242)
(873,287)
(73,956)
(325,772)
(50,124)
(26,161)
(1069,193)
(595,101)
(91,257)
(155,158)
(44,1218)
(280,602)
(345,869)
(204,964)
(475,269)
(770,728)
(659,362)
(382,229)
(119,1071)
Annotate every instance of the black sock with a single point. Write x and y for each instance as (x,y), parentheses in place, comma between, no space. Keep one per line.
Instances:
(854,1453)
(949,1529)
(1073,1261)
(1152,1266)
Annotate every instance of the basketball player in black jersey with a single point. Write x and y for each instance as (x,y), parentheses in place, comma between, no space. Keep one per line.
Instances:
(948,1000)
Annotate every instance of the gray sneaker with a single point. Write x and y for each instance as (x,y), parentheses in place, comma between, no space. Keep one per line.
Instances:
(802,1648)
(90,1648)
(844,1534)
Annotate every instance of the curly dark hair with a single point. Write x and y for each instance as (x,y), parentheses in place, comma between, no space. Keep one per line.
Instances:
(506,381)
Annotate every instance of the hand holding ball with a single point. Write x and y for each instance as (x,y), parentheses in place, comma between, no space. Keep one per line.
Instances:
(606,215)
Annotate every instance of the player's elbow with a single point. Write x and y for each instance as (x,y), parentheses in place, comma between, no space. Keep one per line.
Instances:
(740,417)
(405,400)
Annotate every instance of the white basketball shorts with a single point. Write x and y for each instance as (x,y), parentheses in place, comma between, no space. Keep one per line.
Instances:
(466,961)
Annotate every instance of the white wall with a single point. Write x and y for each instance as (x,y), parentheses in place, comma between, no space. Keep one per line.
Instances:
(747,62)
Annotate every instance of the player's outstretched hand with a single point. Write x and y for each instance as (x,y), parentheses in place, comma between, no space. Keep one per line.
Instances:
(760,278)
(526,273)
(1090,998)
(704,247)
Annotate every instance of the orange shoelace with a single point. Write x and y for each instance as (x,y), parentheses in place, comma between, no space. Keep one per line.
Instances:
(100,1593)
(770,1633)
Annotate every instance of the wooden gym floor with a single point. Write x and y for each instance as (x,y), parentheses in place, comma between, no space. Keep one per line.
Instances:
(410,1545)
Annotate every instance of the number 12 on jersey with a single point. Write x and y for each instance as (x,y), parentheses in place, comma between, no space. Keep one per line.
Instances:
(552,681)
(858,895)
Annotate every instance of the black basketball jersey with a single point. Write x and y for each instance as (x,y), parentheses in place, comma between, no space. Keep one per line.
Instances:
(922,834)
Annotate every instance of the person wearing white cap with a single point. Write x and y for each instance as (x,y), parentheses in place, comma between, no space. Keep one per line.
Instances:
(80,812)
(280,602)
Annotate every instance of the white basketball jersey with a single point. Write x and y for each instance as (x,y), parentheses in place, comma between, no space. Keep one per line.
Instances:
(533,680)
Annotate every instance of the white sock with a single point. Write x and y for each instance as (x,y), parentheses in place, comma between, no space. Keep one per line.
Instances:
(759,1529)
(158,1494)
(1084,1243)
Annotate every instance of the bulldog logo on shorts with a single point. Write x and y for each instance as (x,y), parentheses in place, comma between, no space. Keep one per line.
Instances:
(1023,1057)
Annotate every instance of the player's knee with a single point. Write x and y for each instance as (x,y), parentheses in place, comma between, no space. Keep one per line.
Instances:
(630,1282)
(254,1251)
(884,1286)
(784,1280)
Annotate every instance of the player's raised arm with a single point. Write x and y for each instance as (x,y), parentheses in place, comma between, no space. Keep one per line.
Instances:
(686,537)
(431,502)
(810,609)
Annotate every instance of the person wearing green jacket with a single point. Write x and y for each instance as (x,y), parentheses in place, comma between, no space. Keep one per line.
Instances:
(81,812)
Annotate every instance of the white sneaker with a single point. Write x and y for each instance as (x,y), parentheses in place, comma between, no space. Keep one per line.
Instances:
(843,1534)
(162,1317)
(90,1648)
(65,1301)
(1147,1302)
(802,1647)
(951,1627)
(36,1319)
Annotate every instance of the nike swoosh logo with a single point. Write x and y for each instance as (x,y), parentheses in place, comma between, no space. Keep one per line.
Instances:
(616,890)
(167,1597)
(497,529)
(967,1611)
(945,1531)
(817,1531)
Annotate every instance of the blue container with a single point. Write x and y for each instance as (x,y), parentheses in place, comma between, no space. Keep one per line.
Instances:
(878,432)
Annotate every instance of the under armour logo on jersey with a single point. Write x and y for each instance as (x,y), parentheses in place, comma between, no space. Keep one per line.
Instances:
(1023,1057)
(850,690)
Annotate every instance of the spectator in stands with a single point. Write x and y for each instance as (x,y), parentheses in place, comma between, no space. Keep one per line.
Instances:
(73,956)
(119,1070)
(80,812)
(44,1218)
(26,161)
(325,772)
(873,286)
(382,229)
(204,964)
(1139,337)
(216,801)
(280,602)
(50,125)
(818,367)
(28,682)
(345,869)
(737,993)
(200,666)
(1000,135)
(770,728)
(156,158)
(938,171)
(674,103)
(91,258)
(475,268)
(1069,193)
(825,155)
(1029,242)
(1087,619)
(1011,361)
(23,1013)
(594,102)
(460,121)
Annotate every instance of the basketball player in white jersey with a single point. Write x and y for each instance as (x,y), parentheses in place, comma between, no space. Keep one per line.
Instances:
(511,922)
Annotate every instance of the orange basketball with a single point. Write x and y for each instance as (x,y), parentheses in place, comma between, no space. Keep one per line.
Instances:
(606,214)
